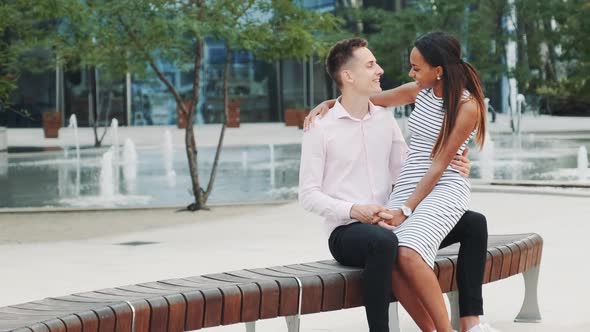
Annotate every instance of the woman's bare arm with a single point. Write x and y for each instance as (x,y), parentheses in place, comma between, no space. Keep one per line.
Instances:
(402,95)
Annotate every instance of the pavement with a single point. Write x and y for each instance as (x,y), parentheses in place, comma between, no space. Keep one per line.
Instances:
(57,253)
(53,253)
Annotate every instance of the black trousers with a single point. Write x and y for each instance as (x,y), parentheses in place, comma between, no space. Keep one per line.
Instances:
(375,249)
(472,233)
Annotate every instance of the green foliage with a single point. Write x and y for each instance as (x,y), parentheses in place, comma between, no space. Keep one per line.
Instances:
(24,27)
(551,36)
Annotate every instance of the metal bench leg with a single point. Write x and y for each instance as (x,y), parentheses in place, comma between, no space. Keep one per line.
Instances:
(293,323)
(529,313)
(393,317)
(250,326)
(455,313)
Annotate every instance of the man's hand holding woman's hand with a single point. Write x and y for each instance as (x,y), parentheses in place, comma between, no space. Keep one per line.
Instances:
(367,213)
(377,214)
(391,219)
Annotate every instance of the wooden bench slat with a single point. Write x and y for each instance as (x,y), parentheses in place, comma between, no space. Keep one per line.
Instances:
(39,327)
(106,319)
(311,297)
(55,325)
(496,270)
(488,268)
(333,286)
(515,258)
(67,305)
(176,312)
(251,294)
(85,298)
(506,260)
(23,329)
(159,314)
(539,252)
(530,254)
(123,317)
(195,310)
(523,254)
(251,300)
(267,298)
(287,287)
(73,323)
(142,314)
(89,321)
(213,307)
(445,273)
(232,305)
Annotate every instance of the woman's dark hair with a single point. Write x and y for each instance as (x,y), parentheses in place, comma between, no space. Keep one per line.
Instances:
(442,49)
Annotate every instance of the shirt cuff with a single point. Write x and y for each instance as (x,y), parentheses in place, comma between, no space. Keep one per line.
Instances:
(344,211)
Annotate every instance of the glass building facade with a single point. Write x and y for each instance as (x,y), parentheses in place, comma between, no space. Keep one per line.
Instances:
(264,89)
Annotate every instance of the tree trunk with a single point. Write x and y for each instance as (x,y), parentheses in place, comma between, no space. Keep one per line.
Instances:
(189,137)
(551,55)
(226,69)
(94,106)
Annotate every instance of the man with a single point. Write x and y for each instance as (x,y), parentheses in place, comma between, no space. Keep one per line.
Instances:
(350,159)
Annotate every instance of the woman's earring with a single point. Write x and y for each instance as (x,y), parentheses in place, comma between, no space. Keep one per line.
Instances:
(437,78)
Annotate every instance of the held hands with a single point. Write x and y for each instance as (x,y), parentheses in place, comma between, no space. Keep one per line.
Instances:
(462,163)
(319,110)
(391,219)
(367,213)
(376,214)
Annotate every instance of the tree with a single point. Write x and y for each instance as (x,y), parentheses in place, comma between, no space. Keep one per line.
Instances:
(24,26)
(128,34)
(265,29)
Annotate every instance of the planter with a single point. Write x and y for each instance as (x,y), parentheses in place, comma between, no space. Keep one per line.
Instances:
(233,114)
(51,123)
(292,116)
(301,118)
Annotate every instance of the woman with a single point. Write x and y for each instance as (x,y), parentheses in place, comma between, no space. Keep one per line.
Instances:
(429,196)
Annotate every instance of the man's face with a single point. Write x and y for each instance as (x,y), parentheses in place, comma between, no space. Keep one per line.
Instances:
(362,73)
(421,71)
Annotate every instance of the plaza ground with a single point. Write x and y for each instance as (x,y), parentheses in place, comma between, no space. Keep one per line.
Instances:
(53,254)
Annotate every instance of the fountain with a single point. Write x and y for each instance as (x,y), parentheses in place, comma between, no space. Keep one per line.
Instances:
(487,158)
(129,163)
(107,185)
(168,154)
(582,163)
(272,166)
(73,124)
(115,146)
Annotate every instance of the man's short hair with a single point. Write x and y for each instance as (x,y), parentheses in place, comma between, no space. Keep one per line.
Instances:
(340,54)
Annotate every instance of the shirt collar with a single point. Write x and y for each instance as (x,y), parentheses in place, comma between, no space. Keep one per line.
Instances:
(340,112)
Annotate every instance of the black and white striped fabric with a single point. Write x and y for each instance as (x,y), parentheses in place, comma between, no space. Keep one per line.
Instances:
(438,213)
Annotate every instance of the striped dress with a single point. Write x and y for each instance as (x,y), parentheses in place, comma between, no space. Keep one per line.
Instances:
(440,211)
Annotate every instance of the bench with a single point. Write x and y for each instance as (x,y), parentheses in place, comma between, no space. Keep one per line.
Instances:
(248,295)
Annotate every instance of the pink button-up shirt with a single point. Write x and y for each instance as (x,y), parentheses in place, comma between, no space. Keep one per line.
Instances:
(346,161)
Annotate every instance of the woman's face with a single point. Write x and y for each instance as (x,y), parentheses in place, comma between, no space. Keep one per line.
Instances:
(421,71)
